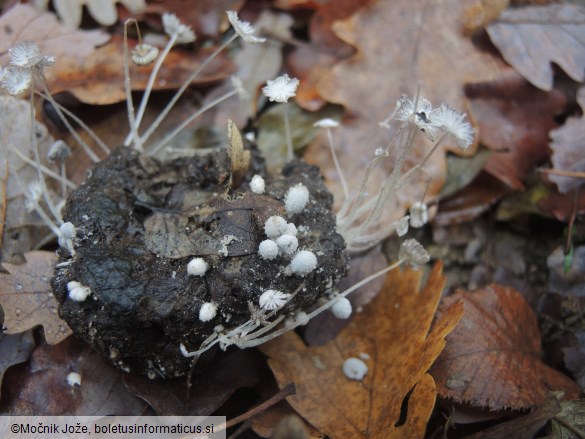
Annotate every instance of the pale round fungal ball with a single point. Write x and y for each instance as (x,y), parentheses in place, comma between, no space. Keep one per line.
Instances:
(268,249)
(197,267)
(207,311)
(272,299)
(257,184)
(291,229)
(287,244)
(78,291)
(296,199)
(74,379)
(341,308)
(355,369)
(419,214)
(304,262)
(275,226)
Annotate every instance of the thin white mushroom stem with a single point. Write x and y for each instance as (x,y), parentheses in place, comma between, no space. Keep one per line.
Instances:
(78,121)
(44,169)
(154,125)
(289,146)
(191,118)
(47,95)
(133,134)
(336,163)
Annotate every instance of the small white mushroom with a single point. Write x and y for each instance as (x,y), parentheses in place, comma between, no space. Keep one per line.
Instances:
(78,291)
(304,262)
(296,199)
(197,267)
(74,379)
(272,299)
(287,244)
(207,312)
(268,249)
(275,226)
(257,184)
(419,214)
(355,369)
(341,308)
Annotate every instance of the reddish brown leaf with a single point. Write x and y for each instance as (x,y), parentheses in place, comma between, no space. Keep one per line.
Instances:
(393,332)
(27,299)
(531,38)
(42,388)
(14,349)
(492,358)
(99,78)
(208,390)
(568,144)
(515,117)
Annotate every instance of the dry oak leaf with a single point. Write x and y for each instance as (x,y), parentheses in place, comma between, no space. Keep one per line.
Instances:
(514,117)
(103,11)
(531,38)
(99,78)
(399,43)
(27,299)
(394,338)
(568,144)
(41,388)
(14,349)
(493,358)
(23,22)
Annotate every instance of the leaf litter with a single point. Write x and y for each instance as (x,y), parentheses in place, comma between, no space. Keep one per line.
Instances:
(393,336)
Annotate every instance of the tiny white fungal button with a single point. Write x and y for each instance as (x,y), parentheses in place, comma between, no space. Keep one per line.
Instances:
(341,308)
(207,311)
(287,244)
(78,291)
(268,249)
(272,299)
(275,226)
(355,369)
(257,184)
(419,214)
(304,262)
(296,199)
(74,379)
(197,267)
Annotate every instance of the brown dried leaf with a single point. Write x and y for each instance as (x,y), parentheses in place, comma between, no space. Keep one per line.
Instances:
(26,297)
(99,78)
(567,145)
(239,157)
(394,331)
(531,38)
(208,391)
(41,388)
(398,43)
(16,175)
(24,22)
(513,116)
(14,349)
(104,12)
(492,358)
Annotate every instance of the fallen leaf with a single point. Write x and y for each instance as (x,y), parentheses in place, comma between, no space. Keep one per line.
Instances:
(492,358)
(23,22)
(264,423)
(570,420)
(462,170)
(15,349)
(208,391)
(27,299)
(99,78)
(567,280)
(567,149)
(393,332)
(398,44)
(574,357)
(514,120)
(104,12)
(41,388)
(481,13)
(21,229)
(239,157)
(531,38)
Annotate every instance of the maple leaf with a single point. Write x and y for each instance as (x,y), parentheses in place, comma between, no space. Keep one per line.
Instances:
(492,358)
(567,146)
(23,22)
(398,43)
(27,299)
(392,335)
(531,38)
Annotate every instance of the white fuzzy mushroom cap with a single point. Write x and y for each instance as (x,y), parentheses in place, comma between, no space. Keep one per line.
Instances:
(257,184)
(304,262)
(78,291)
(287,244)
(419,214)
(268,249)
(296,199)
(74,379)
(355,369)
(207,311)
(341,308)
(197,267)
(275,226)
(272,299)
